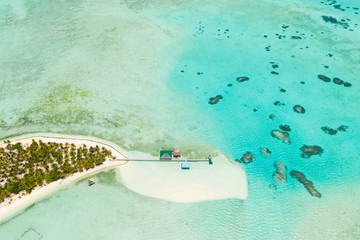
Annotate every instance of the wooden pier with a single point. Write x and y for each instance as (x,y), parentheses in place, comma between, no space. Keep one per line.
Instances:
(157,160)
(167,156)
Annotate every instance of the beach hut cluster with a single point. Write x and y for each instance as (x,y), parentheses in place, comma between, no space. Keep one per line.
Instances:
(165,155)
(169,155)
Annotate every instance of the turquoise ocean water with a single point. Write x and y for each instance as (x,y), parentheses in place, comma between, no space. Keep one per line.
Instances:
(140,74)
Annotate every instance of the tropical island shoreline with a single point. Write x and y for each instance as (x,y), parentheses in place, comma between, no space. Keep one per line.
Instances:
(222,180)
(18,202)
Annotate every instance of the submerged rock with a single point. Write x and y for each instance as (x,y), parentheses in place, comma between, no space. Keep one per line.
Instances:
(329,19)
(280,172)
(271,116)
(284,136)
(308,151)
(309,186)
(347,84)
(299,109)
(324,78)
(242,79)
(338,81)
(214,100)
(265,151)
(333,20)
(278,103)
(342,128)
(329,131)
(272,186)
(285,128)
(248,157)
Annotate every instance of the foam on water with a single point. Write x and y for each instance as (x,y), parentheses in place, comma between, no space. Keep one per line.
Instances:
(140,74)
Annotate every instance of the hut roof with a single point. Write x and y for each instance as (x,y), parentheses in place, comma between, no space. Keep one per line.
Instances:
(165,154)
(177,153)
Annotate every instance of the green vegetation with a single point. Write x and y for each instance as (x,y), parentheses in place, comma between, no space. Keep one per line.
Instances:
(23,168)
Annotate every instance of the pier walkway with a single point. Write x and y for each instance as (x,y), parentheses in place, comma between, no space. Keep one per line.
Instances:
(158,160)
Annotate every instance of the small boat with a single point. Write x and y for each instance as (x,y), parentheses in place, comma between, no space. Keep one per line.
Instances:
(185,165)
(91,181)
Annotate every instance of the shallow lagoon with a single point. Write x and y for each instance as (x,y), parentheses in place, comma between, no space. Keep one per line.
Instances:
(140,74)
(110,211)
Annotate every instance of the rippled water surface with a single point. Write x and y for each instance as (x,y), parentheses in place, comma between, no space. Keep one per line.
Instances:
(140,74)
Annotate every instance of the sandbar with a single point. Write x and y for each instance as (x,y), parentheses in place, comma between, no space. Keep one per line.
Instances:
(202,182)
(223,179)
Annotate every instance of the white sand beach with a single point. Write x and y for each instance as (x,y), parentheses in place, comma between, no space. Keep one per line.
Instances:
(20,202)
(202,182)
(165,180)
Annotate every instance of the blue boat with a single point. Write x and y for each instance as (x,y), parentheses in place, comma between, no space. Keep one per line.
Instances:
(185,165)
(91,181)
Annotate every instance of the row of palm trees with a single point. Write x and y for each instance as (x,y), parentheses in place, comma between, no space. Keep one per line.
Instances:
(22,168)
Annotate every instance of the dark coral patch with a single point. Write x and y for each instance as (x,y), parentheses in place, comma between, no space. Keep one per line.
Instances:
(214,100)
(284,136)
(329,130)
(285,128)
(338,81)
(342,128)
(280,172)
(271,116)
(309,186)
(274,65)
(329,19)
(324,78)
(242,79)
(248,157)
(308,151)
(333,20)
(265,151)
(299,109)
(278,103)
